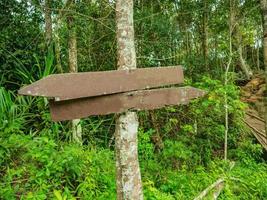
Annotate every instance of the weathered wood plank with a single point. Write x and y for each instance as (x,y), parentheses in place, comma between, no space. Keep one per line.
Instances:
(121,102)
(257,126)
(79,85)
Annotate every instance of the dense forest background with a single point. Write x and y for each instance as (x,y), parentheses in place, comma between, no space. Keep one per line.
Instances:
(181,148)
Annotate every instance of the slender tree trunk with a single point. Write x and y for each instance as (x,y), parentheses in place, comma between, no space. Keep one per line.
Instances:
(231,20)
(187,44)
(258,57)
(72,43)
(238,42)
(205,34)
(243,64)
(128,178)
(264,11)
(59,20)
(48,22)
(57,43)
(73,67)
(57,54)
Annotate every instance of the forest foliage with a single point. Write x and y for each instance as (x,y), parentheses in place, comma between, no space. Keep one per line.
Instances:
(181,148)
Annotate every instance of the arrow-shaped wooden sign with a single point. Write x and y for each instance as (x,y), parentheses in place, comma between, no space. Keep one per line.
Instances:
(78,85)
(78,95)
(121,102)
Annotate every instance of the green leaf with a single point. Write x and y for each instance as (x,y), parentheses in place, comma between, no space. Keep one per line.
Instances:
(58,195)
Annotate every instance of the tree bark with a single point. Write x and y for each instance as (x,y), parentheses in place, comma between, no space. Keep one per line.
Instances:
(128,174)
(72,43)
(73,67)
(48,22)
(264,11)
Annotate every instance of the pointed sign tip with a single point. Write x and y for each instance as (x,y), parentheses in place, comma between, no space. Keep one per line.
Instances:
(28,90)
(24,91)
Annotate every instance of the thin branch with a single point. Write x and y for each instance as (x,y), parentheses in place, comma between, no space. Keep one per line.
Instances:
(89,17)
(250,114)
(208,189)
(261,133)
(218,184)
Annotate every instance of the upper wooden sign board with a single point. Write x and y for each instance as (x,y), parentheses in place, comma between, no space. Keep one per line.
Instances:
(68,86)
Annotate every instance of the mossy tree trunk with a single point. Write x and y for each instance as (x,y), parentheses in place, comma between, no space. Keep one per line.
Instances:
(128,178)
(48,22)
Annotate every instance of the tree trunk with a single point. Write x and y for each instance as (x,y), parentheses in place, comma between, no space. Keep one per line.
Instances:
(72,43)
(48,22)
(226,119)
(258,57)
(205,34)
(57,53)
(57,43)
(264,11)
(128,178)
(243,64)
(238,43)
(73,67)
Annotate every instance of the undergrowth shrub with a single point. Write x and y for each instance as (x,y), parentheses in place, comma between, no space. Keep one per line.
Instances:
(193,134)
(39,168)
(12,117)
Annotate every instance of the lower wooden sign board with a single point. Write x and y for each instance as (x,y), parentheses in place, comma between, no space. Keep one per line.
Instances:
(121,102)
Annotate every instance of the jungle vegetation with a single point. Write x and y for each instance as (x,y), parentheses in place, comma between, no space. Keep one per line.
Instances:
(181,149)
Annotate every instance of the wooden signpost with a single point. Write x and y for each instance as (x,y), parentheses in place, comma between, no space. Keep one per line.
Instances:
(79,95)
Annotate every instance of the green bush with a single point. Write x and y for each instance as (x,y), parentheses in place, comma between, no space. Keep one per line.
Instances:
(33,168)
